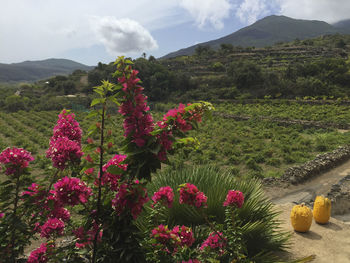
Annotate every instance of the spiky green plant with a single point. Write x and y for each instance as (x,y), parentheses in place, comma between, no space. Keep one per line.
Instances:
(261,228)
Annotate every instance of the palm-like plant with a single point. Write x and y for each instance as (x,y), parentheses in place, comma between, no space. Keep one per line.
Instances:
(262,233)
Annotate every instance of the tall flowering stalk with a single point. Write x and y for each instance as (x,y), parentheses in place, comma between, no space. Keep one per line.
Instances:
(15,162)
(108,195)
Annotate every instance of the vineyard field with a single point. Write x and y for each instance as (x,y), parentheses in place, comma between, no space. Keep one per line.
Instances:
(258,148)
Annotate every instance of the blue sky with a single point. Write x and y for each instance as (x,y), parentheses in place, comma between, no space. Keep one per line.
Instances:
(91,31)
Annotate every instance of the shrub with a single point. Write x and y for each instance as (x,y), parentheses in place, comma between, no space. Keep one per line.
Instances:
(261,230)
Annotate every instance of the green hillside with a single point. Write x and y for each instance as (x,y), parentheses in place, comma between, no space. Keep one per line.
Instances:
(36,70)
(268,31)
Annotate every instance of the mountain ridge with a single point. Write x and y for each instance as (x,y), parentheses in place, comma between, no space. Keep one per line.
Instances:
(33,70)
(270,30)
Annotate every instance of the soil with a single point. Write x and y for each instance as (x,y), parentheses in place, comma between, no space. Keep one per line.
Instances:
(330,242)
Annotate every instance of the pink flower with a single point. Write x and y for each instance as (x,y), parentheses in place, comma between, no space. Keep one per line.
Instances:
(15,159)
(138,123)
(85,238)
(166,239)
(71,191)
(185,234)
(68,127)
(60,213)
(214,241)
(38,255)
(165,195)
(113,179)
(89,171)
(189,194)
(130,196)
(234,198)
(63,151)
(2,215)
(32,190)
(52,226)
(162,234)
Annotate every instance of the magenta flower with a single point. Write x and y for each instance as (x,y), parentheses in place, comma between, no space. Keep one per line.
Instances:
(85,238)
(60,213)
(185,234)
(234,198)
(15,159)
(165,196)
(162,234)
(63,151)
(52,226)
(113,179)
(71,191)
(2,215)
(130,196)
(214,241)
(138,122)
(38,255)
(189,194)
(68,127)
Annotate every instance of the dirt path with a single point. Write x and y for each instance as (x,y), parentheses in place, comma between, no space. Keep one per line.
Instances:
(318,185)
(329,243)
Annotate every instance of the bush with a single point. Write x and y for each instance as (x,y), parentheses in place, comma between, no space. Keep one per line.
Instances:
(261,228)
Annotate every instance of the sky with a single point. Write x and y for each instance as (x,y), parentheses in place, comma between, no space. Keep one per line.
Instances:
(91,31)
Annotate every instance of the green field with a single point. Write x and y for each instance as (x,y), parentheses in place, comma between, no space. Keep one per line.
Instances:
(256,147)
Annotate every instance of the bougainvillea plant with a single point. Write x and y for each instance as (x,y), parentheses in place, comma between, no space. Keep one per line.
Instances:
(222,244)
(90,202)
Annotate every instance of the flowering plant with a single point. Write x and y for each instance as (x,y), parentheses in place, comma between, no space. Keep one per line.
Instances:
(106,195)
(179,244)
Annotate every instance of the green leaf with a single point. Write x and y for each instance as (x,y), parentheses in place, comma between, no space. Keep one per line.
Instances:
(97,101)
(113,169)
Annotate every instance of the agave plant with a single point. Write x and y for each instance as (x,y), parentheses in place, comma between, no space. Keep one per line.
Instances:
(262,233)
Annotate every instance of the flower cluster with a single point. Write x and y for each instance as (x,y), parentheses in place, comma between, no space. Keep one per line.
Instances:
(63,151)
(185,234)
(68,127)
(215,240)
(71,191)
(39,255)
(2,215)
(52,226)
(189,194)
(234,198)
(85,238)
(177,119)
(15,159)
(65,144)
(171,240)
(132,196)
(138,123)
(165,196)
(113,179)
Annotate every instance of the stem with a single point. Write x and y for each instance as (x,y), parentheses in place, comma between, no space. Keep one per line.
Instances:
(94,253)
(13,235)
(216,232)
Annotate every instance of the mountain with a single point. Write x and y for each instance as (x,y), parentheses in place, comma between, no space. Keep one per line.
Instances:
(36,70)
(270,30)
(343,26)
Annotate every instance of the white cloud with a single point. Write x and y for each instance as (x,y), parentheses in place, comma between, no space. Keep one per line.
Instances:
(123,35)
(205,12)
(326,10)
(251,10)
